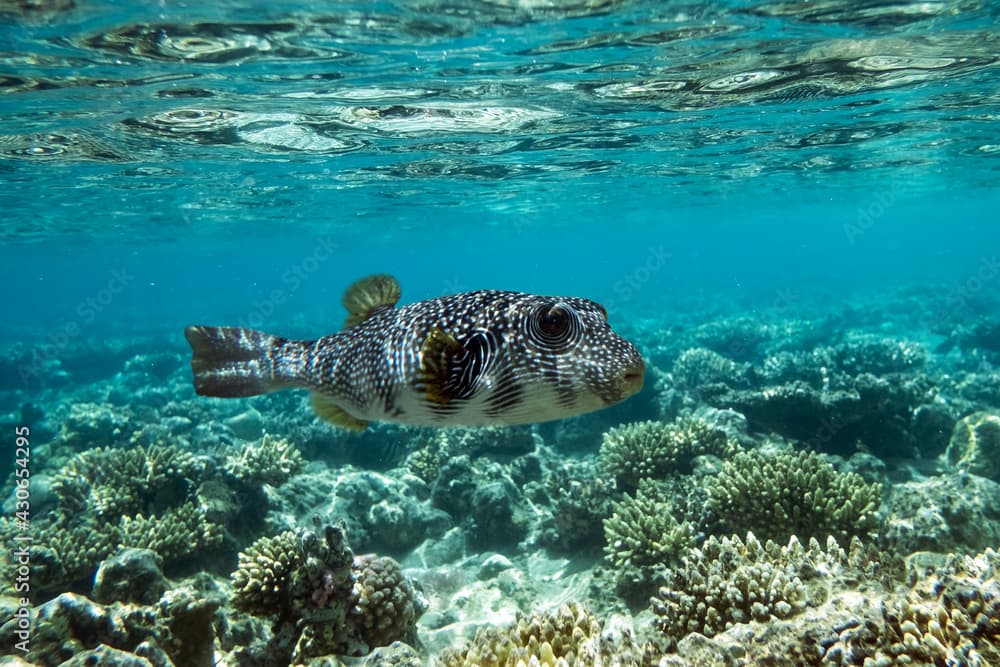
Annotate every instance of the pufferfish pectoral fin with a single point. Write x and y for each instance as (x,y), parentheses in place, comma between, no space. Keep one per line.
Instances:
(368,295)
(329,411)
(451,370)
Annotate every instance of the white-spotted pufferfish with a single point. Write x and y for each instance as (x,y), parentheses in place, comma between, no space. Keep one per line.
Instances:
(469,359)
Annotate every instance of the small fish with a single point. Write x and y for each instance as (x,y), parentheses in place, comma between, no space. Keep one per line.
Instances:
(469,359)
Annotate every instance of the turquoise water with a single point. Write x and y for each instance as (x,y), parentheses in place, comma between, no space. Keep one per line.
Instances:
(684,164)
(532,146)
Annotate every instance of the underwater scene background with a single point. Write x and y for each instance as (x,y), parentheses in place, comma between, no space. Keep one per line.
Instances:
(789,207)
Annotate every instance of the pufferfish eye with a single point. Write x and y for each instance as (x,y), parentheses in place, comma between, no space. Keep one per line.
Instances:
(555,326)
(554,322)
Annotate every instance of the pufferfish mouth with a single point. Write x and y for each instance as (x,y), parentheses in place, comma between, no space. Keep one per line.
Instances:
(632,381)
(629,382)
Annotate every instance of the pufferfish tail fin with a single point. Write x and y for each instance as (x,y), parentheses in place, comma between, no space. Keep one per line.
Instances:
(231,361)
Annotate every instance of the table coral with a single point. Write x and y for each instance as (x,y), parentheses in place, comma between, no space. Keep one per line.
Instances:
(175,534)
(106,498)
(112,482)
(794,493)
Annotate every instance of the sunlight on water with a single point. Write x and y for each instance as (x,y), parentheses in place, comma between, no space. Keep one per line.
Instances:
(686,101)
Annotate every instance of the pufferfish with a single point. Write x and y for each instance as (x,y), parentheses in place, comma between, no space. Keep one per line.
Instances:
(487,357)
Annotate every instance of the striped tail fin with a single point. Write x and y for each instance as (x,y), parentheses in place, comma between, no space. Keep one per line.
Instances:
(231,361)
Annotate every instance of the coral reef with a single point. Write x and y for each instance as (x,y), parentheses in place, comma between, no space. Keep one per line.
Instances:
(975,445)
(323,600)
(88,423)
(950,513)
(137,480)
(271,461)
(433,449)
(655,449)
(381,512)
(130,575)
(794,493)
(734,337)
(176,630)
(580,500)
(864,391)
(728,581)
(569,636)
(106,498)
(950,617)
(483,497)
(698,366)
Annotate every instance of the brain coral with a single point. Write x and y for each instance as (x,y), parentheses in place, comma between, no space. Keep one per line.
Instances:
(654,449)
(777,496)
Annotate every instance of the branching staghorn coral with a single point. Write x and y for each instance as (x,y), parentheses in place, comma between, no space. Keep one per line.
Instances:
(652,450)
(951,617)
(643,531)
(271,461)
(728,580)
(567,637)
(777,496)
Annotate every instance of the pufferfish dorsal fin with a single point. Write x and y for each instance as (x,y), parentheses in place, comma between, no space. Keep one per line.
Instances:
(369,295)
(329,411)
(451,370)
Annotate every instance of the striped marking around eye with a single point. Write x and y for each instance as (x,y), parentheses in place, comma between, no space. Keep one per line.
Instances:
(565,338)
